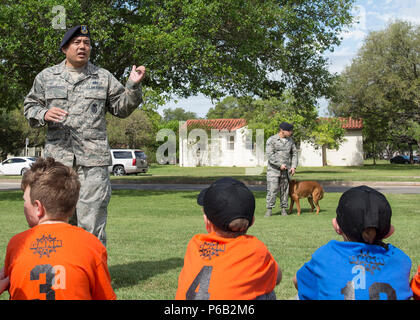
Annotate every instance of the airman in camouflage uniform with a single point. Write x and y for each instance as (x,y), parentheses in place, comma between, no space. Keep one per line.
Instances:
(281,161)
(71,98)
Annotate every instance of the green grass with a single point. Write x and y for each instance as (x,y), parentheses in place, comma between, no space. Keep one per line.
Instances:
(148,232)
(383,171)
(369,172)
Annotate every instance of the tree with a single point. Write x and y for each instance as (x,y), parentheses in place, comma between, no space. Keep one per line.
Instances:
(232,107)
(10,136)
(178,114)
(136,131)
(188,46)
(382,85)
(267,114)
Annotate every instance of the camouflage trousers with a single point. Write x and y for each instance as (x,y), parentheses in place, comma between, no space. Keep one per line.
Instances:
(92,206)
(277,182)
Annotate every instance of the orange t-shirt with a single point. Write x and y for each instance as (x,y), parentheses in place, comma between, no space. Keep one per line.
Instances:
(217,268)
(415,285)
(57,262)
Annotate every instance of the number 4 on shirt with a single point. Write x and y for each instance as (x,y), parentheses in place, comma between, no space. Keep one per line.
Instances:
(202,281)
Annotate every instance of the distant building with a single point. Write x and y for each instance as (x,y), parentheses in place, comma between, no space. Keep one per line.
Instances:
(218,142)
(229,143)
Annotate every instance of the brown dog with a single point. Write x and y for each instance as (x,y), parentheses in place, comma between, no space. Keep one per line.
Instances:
(305,189)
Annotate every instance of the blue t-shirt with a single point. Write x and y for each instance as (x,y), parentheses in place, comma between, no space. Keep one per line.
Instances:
(355,271)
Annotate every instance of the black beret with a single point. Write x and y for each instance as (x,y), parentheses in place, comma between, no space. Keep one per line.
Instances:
(286,126)
(76,31)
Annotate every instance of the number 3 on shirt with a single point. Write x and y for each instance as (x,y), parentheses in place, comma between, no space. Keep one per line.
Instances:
(49,279)
(374,291)
(203,280)
(55,278)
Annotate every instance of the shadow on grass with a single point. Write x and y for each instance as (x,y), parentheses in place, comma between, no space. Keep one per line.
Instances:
(144,193)
(131,273)
(366,167)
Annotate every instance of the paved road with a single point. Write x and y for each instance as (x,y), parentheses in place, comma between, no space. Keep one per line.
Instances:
(197,187)
(402,189)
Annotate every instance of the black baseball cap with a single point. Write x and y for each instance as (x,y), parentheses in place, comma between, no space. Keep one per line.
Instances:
(286,126)
(80,30)
(363,207)
(225,200)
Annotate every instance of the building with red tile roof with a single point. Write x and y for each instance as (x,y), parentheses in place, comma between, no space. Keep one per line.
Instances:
(232,145)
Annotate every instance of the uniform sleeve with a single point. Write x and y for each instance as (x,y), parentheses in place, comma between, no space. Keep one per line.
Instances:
(294,155)
(34,105)
(271,153)
(122,101)
(103,289)
(306,283)
(269,148)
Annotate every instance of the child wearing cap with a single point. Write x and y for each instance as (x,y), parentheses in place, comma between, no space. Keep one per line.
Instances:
(361,267)
(54,260)
(226,263)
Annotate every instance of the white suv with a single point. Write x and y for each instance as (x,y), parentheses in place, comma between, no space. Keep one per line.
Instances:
(125,161)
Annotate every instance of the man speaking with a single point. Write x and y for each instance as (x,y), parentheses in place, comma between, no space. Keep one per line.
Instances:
(71,98)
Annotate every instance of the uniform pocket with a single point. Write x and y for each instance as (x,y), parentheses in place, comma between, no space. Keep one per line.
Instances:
(90,134)
(95,101)
(56,97)
(54,135)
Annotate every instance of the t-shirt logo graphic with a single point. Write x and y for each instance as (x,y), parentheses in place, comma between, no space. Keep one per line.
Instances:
(46,245)
(209,249)
(368,261)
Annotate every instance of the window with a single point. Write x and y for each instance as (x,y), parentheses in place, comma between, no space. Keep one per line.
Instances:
(231,143)
(122,155)
(140,154)
(17,160)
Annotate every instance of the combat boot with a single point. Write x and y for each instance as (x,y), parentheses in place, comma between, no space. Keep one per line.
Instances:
(268,213)
(283,212)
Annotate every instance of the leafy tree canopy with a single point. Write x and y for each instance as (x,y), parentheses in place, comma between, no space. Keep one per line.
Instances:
(178,114)
(218,48)
(267,114)
(382,85)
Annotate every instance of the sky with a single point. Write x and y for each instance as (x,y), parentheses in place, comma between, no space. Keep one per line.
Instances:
(372,15)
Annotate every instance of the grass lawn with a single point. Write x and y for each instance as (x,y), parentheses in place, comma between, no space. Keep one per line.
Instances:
(380,172)
(148,232)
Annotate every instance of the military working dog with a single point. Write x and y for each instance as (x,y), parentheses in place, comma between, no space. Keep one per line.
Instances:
(305,189)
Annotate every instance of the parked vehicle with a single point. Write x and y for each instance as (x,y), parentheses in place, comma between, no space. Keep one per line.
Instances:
(127,161)
(16,165)
(403,159)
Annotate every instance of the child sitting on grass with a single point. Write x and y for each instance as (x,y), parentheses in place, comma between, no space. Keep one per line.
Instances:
(362,267)
(54,260)
(226,263)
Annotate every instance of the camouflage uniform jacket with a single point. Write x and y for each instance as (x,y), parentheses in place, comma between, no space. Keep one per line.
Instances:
(82,135)
(279,152)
